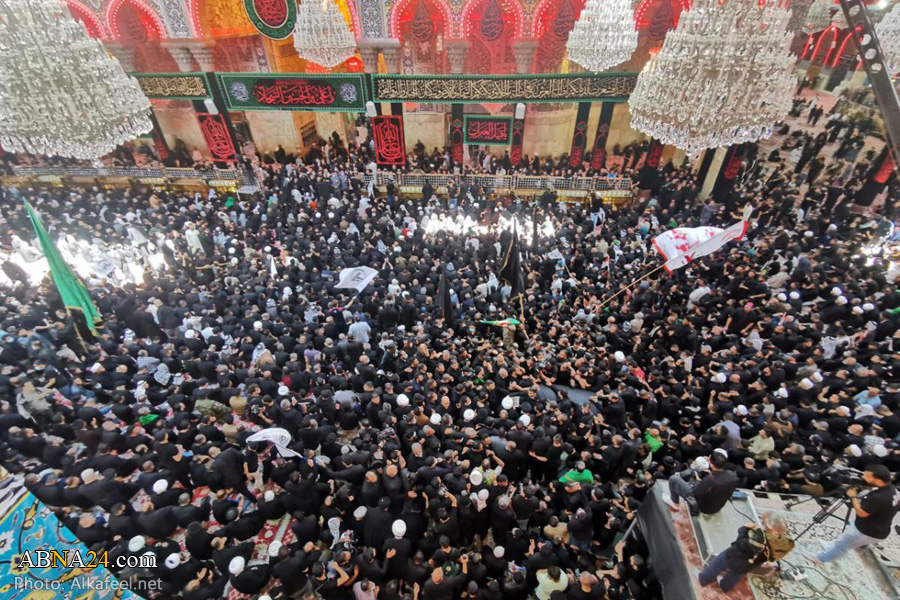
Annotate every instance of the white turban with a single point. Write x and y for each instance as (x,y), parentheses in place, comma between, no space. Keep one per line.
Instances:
(399,528)
(476,477)
(237,564)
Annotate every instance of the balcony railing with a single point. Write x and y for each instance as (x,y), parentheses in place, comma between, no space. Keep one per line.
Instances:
(239,176)
(410,183)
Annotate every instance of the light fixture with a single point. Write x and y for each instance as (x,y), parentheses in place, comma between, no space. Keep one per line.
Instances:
(61,93)
(723,76)
(322,35)
(604,35)
(888,32)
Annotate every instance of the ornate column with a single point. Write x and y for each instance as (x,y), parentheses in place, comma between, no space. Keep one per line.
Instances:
(175,17)
(390,47)
(202,52)
(369,49)
(524,52)
(125,54)
(372,18)
(457,49)
(181,54)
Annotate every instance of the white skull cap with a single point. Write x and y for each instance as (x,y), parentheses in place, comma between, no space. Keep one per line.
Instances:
(476,477)
(172,561)
(237,564)
(160,486)
(136,543)
(399,528)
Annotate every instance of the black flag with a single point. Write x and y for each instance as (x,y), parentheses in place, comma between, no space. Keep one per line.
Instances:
(511,271)
(444,303)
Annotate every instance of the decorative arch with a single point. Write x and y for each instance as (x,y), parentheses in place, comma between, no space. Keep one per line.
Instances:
(402,10)
(646,9)
(546,10)
(509,6)
(842,48)
(553,21)
(151,22)
(831,33)
(491,27)
(86,16)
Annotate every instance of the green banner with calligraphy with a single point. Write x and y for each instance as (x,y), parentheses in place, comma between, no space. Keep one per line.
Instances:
(607,87)
(174,86)
(273,18)
(292,91)
(492,131)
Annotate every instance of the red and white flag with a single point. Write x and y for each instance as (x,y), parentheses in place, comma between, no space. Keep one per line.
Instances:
(680,246)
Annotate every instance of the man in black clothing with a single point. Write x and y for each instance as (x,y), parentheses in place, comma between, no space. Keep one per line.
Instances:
(875,511)
(711,493)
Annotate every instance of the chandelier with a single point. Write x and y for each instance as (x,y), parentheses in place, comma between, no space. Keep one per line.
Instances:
(322,35)
(61,93)
(723,77)
(604,36)
(888,32)
(819,16)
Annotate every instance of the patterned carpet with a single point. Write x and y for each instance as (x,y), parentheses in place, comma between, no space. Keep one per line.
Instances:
(856,576)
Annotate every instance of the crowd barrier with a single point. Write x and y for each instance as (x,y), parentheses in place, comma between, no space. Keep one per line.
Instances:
(609,187)
(224,177)
(407,183)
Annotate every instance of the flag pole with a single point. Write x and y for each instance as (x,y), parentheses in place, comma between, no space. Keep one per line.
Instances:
(631,285)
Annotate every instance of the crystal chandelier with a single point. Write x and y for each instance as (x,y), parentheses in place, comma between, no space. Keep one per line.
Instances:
(888,32)
(322,35)
(723,77)
(604,36)
(61,93)
(819,16)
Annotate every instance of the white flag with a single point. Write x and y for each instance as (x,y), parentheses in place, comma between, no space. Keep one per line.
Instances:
(273,270)
(680,246)
(280,437)
(556,255)
(356,278)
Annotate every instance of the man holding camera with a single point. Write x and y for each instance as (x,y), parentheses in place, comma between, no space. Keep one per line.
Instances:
(875,510)
(707,495)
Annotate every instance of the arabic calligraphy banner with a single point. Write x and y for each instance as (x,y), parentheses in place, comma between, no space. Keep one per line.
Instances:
(215,132)
(273,18)
(186,86)
(493,131)
(390,148)
(285,91)
(612,87)
(518,139)
(598,156)
(456,134)
(579,136)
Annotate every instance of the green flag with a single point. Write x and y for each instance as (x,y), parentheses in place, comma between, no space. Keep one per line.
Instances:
(74,295)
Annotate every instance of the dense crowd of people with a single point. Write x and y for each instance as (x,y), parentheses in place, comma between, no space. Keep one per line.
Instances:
(435,457)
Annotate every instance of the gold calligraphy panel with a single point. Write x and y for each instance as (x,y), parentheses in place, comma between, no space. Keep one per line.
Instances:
(503,89)
(173,86)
